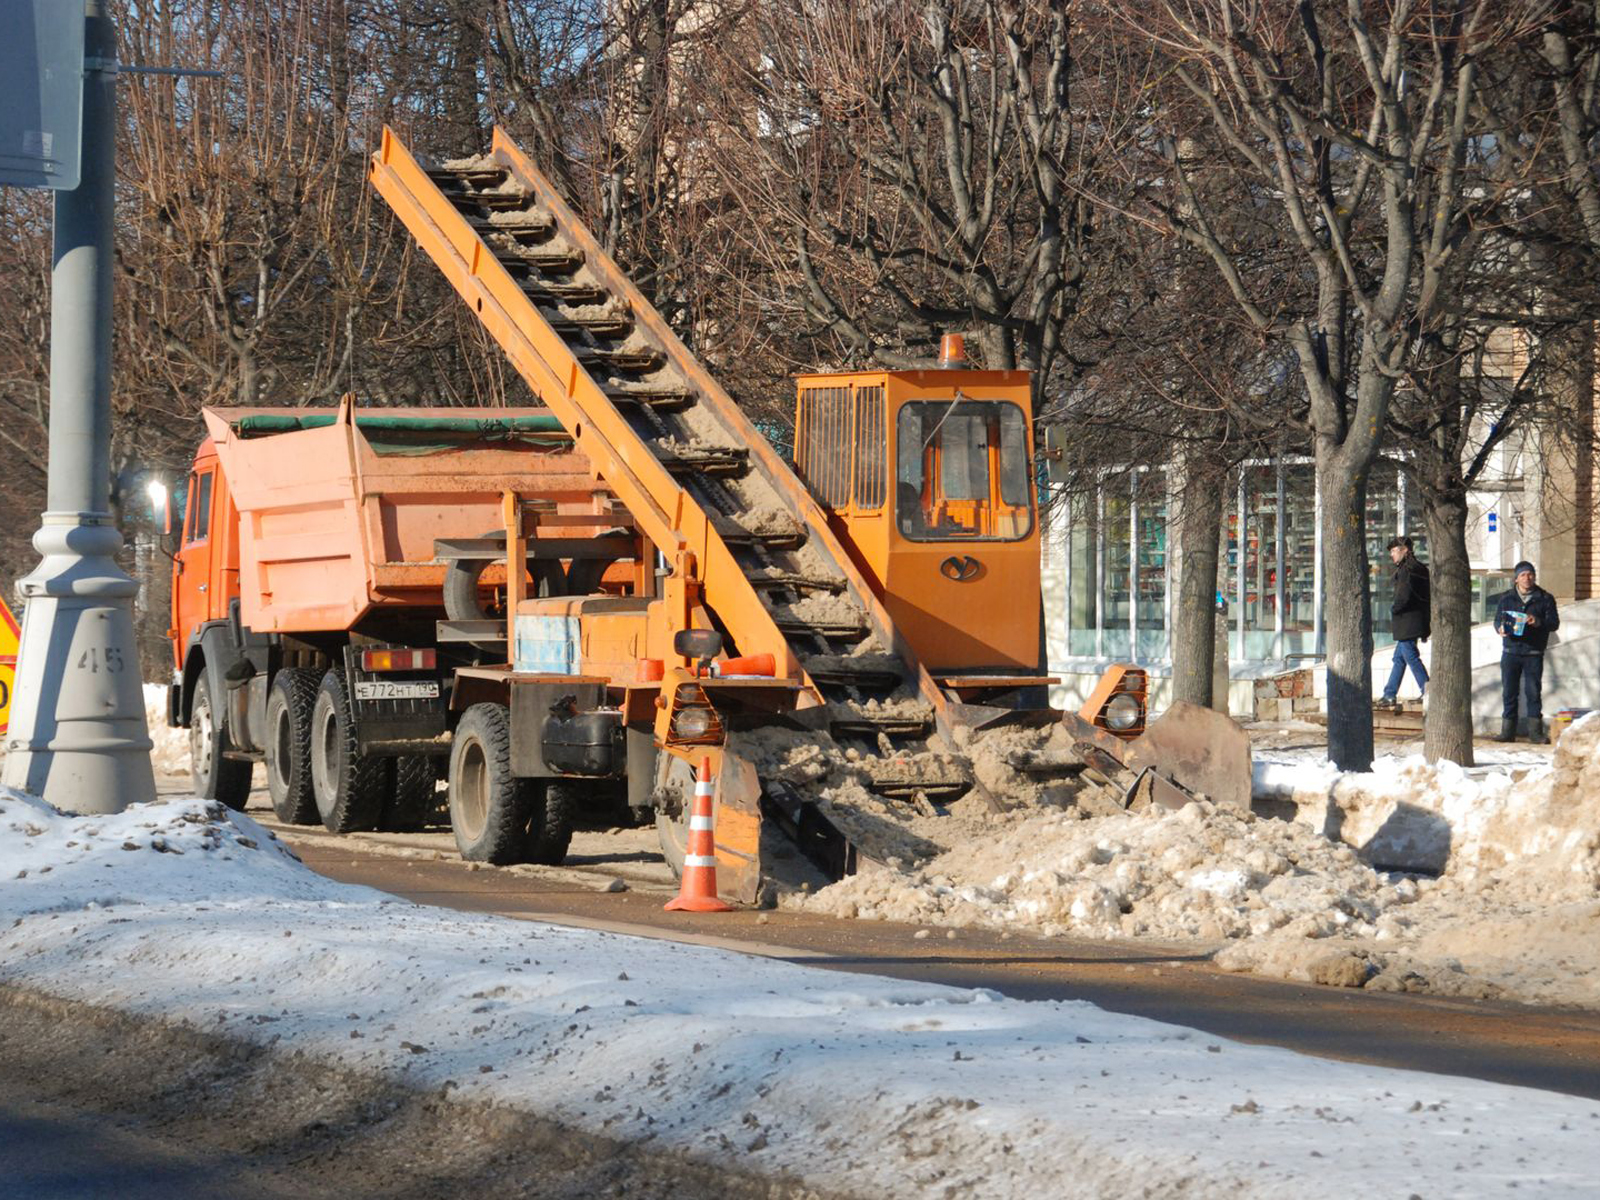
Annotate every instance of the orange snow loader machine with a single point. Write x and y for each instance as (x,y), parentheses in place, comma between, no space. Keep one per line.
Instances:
(689,595)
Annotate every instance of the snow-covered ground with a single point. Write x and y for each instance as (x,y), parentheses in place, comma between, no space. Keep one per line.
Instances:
(185,911)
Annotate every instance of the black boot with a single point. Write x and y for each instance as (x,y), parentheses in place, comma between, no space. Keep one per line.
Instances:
(1508,730)
(1536,733)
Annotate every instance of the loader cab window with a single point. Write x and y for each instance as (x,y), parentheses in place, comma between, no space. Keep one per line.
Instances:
(198,527)
(962,472)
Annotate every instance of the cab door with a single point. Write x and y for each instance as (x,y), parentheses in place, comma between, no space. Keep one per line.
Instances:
(194,571)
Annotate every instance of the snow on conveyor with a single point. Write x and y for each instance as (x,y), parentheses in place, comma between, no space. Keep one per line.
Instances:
(183,910)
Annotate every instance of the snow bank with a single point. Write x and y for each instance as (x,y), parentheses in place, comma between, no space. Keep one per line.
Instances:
(170,746)
(1515,912)
(185,910)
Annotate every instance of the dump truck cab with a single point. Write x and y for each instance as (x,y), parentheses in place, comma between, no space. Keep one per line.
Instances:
(926,478)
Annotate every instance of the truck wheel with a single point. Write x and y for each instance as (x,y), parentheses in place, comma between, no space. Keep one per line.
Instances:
(490,807)
(349,786)
(585,574)
(215,776)
(463,603)
(550,827)
(410,806)
(289,708)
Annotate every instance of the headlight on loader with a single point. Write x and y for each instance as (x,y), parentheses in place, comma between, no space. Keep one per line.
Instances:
(1123,712)
(693,722)
(1118,702)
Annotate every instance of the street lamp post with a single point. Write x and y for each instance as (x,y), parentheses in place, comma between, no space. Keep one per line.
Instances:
(78,736)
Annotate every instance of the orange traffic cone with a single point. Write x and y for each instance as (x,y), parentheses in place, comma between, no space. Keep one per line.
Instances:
(698,890)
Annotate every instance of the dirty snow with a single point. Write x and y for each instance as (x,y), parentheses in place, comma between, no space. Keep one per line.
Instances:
(1412,877)
(184,910)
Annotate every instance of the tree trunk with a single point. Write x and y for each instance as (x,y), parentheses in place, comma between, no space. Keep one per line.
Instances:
(1447,728)
(1349,611)
(1194,621)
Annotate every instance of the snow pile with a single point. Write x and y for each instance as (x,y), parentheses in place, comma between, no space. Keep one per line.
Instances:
(186,911)
(1206,872)
(1515,912)
(170,746)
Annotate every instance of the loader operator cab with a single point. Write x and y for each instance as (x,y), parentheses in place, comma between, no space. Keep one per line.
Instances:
(926,477)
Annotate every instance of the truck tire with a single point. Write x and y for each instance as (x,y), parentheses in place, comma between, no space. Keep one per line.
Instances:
(585,574)
(461,599)
(215,776)
(289,708)
(490,808)
(411,804)
(550,824)
(349,786)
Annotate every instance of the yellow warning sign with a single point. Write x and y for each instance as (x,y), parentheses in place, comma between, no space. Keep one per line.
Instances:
(10,639)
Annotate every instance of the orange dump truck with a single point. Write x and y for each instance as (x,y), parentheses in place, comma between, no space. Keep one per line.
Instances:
(307,595)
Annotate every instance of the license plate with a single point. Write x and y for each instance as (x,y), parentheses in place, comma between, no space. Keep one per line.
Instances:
(392,689)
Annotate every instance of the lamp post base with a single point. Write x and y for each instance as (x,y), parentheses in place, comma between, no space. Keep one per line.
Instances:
(78,737)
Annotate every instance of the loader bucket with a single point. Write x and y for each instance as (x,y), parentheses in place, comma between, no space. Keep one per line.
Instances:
(1199,748)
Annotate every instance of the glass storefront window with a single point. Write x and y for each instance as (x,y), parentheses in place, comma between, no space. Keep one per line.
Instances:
(1151,616)
(1383,519)
(1119,572)
(1299,558)
(1118,601)
(1084,571)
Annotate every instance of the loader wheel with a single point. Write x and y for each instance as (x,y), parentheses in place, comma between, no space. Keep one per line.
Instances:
(550,823)
(675,786)
(349,786)
(490,807)
(289,708)
(411,804)
(215,776)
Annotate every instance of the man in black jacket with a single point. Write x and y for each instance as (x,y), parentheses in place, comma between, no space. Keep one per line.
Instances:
(1525,619)
(1411,620)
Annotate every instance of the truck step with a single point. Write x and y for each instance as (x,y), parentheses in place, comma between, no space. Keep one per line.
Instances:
(643,359)
(481,633)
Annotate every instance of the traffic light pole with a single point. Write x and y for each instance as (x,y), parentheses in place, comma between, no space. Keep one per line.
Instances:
(78,736)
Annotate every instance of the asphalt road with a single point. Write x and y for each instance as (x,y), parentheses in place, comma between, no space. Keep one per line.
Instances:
(1554,1049)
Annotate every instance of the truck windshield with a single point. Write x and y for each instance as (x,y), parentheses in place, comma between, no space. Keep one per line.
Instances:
(962,471)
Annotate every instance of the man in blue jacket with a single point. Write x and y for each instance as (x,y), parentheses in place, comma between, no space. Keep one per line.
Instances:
(1525,619)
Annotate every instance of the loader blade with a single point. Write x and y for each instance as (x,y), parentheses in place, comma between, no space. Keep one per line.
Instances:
(1198,748)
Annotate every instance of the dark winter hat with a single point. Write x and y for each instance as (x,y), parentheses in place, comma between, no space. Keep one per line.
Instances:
(1522,566)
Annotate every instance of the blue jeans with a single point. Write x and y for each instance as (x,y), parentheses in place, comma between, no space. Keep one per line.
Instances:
(1405,655)
(1526,670)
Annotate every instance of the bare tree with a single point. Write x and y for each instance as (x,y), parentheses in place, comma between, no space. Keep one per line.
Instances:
(1344,129)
